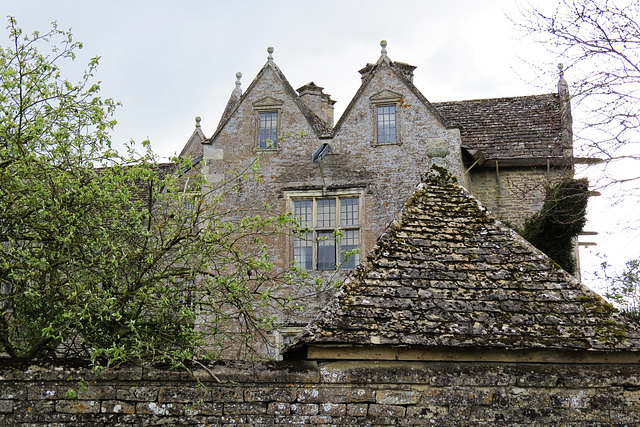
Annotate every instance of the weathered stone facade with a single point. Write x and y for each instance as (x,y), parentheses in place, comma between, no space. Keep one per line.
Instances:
(502,150)
(339,393)
(514,194)
(450,319)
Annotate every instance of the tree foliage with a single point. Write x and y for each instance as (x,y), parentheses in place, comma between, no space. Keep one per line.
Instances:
(624,288)
(553,230)
(599,43)
(108,256)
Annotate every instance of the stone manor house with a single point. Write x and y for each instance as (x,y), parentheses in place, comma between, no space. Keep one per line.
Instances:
(354,176)
(446,316)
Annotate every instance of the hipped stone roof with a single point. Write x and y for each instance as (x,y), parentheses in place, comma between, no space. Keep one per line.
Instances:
(448,274)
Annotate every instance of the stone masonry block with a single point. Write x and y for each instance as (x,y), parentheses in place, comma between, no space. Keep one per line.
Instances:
(361,394)
(6,406)
(314,395)
(12,391)
(138,393)
(245,408)
(357,409)
(49,392)
(333,409)
(227,394)
(278,408)
(204,409)
(270,394)
(159,409)
(386,410)
(304,409)
(397,397)
(185,394)
(78,406)
(117,407)
(427,411)
(96,392)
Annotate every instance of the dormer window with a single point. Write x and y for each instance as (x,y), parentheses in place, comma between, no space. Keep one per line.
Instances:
(386,129)
(268,127)
(268,130)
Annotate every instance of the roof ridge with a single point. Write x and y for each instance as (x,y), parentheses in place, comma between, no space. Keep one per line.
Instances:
(541,95)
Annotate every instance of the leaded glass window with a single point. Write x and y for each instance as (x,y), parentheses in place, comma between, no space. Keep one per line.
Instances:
(268,130)
(387,131)
(330,235)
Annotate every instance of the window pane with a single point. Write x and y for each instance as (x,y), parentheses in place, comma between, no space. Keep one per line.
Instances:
(349,242)
(326,216)
(185,291)
(321,249)
(303,212)
(303,251)
(326,251)
(387,123)
(267,130)
(349,211)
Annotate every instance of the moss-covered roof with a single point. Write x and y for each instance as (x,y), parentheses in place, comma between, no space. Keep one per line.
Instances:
(447,274)
(509,128)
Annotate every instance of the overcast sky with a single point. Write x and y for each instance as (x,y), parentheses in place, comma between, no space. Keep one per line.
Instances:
(170,61)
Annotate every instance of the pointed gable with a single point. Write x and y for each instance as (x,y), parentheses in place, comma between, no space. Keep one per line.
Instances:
(233,102)
(447,275)
(319,126)
(402,71)
(193,148)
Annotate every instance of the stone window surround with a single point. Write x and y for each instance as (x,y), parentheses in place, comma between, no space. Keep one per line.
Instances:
(267,105)
(190,200)
(184,287)
(282,336)
(384,98)
(355,192)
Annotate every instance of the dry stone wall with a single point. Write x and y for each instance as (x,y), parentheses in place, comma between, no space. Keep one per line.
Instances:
(340,393)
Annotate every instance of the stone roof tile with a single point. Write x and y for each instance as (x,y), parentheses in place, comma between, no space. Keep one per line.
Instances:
(446,273)
(509,128)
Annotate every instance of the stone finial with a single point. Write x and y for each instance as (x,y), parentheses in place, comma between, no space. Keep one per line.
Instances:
(270,50)
(238,82)
(383,44)
(563,86)
(198,119)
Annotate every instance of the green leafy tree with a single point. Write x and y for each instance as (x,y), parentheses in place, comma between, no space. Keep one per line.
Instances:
(115,257)
(624,288)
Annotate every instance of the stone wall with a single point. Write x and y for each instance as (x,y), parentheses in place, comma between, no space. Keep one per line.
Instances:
(513,194)
(340,393)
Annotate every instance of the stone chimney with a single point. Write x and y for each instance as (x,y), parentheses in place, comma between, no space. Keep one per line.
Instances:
(405,69)
(317,101)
